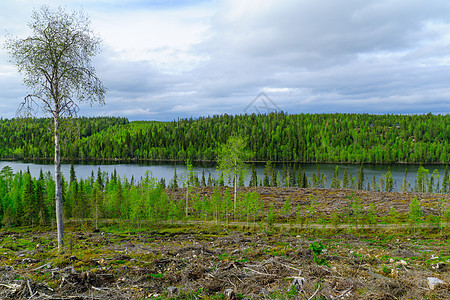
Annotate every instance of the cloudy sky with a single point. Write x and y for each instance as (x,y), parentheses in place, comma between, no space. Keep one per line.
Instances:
(164,60)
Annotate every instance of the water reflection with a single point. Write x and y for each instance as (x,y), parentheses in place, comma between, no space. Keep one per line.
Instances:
(166,170)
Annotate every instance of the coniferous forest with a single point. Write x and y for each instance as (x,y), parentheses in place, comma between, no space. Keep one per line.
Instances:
(339,138)
(349,138)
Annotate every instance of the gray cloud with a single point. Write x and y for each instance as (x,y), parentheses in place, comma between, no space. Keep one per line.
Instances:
(309,56)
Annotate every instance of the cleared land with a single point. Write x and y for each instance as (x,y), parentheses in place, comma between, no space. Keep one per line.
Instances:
(207,261)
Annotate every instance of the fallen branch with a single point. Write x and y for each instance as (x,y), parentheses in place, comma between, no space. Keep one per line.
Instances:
(31,291)
(312,296)
(343,294)
(100,289)
(257,272)
(287,266)
(12,286)
(48,265)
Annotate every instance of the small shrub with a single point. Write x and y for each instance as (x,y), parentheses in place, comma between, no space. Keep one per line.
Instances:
(317,249)
(271,215)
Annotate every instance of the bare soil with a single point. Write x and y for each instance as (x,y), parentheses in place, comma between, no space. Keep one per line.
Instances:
(329,200)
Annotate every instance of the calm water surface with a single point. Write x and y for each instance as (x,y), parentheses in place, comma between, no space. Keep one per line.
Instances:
(166,170)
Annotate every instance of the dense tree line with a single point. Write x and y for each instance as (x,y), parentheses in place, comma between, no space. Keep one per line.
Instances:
(340,138)
(33,138)
(28,201)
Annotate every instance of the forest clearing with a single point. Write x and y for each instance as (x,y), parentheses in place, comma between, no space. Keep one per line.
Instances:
(261,260)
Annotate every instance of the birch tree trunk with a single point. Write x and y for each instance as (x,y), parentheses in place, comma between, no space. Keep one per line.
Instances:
(58,190)
(235,190)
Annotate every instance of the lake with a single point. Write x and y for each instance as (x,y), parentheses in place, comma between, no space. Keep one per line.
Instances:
(166,170)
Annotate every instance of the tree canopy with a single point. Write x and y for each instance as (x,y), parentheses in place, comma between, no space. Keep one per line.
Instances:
(56,62)
(328,138)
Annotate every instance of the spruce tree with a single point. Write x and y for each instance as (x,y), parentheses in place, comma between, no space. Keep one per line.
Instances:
(389,181)
(254,177)
(335,184)
(210,180)
(445,181)
(203,182)
(285,176)
(286,206)
(293,175)
(267,173)
(305,183)
(361,178)
(374,183)
(403,186)
(174,184)
(162,183)
(100,179)
(299,176)
(345,181)
(28,198)
(274,179)
(41,212)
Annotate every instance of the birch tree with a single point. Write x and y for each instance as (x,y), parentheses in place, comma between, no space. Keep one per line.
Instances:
(231,160)
(55,62)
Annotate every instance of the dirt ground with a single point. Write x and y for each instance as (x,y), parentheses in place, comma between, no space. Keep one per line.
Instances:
(203,262)
(330,200)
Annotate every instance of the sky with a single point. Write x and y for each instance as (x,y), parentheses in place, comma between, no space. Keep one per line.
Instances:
(166,60)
